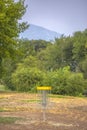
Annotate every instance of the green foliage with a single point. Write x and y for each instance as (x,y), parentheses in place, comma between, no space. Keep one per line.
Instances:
(75,84)
(30,61)
(65,82)
(79,48)
(83,67)
(8,120)
(39,45)
(25,47)
(9,67)
(31,47)
(10,27)
(61,65)
(10,13)
(26,79)
(58,80)
(2,88)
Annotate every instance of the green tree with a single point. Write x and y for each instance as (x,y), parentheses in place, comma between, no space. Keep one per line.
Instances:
(79,47)
(55,54)
(10,27)
(25,48)
(83,67)
(39,45)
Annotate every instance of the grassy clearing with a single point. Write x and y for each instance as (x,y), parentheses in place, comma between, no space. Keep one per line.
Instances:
(8,120)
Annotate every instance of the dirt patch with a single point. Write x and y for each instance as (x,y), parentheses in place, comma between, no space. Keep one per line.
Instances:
(62,113)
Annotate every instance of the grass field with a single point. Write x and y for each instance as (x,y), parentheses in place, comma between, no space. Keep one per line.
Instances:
(22,111)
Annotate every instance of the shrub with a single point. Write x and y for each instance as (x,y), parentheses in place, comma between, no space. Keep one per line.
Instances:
(58,80)
(26,79)
(8,83)
(65,82)
(75,84)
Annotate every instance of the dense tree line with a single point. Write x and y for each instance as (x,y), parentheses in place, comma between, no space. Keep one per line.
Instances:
(25,64)
(62,65)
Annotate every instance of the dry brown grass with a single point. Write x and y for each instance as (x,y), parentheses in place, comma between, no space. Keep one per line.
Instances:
(69,113)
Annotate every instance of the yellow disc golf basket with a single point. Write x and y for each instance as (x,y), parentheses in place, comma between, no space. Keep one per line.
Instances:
(43,93)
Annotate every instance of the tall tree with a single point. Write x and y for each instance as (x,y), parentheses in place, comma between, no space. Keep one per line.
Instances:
(10,27)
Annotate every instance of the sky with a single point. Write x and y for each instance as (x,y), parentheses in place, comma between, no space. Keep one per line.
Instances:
(62,16)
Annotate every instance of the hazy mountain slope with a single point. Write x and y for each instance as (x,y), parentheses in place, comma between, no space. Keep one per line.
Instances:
(36,32)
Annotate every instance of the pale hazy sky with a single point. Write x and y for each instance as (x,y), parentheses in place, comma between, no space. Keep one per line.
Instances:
(63,16)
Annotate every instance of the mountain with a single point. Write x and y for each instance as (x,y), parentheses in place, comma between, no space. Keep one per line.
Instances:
(35,32)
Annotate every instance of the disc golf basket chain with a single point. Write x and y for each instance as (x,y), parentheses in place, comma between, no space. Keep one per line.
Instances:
(43,93)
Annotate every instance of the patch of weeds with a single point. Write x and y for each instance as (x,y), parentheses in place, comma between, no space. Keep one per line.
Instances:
(57,96)
(32,100)
(4,109)
(8,120)
(1,110)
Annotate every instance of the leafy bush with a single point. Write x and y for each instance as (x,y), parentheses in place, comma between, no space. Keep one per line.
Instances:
(75,84)
(8,83)
(58,80)
(65,82)
(26,79)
